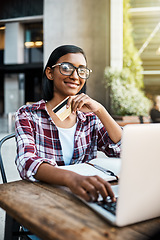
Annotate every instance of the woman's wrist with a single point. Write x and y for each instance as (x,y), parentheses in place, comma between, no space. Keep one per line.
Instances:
(98,108)
(69,178)
(100,111)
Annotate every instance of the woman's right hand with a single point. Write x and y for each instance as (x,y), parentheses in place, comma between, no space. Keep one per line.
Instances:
(89,187)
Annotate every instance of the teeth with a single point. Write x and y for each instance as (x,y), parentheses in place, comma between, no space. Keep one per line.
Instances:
(72,84)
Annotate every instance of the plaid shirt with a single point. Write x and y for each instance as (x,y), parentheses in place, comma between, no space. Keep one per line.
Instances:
(38,140)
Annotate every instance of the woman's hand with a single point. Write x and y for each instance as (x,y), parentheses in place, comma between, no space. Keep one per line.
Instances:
(89,187)
(84,103)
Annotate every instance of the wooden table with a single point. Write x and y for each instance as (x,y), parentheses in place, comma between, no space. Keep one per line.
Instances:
(54,213)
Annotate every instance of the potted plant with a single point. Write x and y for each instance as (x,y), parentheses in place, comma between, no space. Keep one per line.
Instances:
(126,97)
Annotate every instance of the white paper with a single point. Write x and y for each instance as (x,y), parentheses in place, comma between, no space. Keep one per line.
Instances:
(112,164)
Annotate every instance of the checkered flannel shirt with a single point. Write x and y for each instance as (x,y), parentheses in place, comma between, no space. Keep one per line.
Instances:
(38,140)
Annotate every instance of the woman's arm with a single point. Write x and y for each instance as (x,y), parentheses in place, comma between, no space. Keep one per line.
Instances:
(113,129)
(87,187)
(28,157)
(84,103)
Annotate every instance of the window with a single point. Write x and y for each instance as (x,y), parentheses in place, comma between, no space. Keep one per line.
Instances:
(33,45)
(2,42)
(145,16)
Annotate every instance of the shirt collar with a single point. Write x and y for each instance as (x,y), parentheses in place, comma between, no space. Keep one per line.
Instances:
(41,105)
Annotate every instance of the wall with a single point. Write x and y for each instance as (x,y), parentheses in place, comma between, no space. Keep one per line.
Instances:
(14,49)
(86,24)
(116,34)
(13,54)
(11,89)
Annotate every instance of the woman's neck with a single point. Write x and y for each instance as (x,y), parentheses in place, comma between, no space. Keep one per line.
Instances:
(55,101)
(68,122)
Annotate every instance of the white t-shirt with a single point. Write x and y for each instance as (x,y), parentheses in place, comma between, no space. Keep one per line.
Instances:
(66,136)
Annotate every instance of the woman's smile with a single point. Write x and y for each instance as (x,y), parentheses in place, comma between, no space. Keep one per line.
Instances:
(72,84)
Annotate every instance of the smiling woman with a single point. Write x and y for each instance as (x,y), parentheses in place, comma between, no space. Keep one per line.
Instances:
(53,59)
(65,75)
(45,142)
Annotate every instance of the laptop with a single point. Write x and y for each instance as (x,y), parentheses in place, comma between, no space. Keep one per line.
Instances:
(138,189)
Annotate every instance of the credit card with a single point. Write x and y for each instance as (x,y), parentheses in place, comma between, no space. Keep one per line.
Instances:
(61,111)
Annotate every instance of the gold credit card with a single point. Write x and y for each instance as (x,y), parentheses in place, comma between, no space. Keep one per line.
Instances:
(61,111)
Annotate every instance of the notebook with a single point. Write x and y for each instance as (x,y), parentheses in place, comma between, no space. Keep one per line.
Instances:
(106,168)
(138,189)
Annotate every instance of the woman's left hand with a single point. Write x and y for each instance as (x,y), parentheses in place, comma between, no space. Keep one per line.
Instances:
(84,103)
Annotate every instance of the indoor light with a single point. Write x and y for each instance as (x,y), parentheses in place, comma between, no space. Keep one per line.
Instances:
(29,44)
(2,28)
(158,51)
(33,44)
(38,43)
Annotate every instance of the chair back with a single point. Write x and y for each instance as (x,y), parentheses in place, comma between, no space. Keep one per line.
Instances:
(8,168)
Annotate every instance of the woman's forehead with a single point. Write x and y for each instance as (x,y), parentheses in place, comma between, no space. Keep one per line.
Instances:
(75,58)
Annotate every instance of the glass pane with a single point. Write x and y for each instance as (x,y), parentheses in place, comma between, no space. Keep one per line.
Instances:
(2,42)
(145,3)
(145,17)
(33,49)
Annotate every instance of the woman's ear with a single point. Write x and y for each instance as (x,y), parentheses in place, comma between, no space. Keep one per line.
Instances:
(49,73)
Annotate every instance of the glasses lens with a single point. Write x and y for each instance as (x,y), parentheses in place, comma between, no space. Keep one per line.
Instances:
(66,69)
(83,72)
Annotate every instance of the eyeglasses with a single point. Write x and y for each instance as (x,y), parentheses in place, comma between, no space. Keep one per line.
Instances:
(67,69)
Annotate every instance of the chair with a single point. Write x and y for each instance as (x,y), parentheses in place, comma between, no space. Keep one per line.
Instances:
(13,230)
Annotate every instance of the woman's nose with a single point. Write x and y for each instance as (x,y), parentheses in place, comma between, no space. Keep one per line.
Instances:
(74,75)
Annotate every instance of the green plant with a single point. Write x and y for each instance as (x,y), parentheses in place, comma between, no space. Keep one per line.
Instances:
(131,59)
(127,96)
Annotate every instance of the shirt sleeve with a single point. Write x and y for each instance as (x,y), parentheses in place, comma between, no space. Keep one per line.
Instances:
(105,144)
(27,159)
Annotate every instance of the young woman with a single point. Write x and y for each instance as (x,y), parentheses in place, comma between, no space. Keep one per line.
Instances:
(44,142)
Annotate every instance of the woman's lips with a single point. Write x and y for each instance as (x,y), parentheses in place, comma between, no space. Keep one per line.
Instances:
(72,84)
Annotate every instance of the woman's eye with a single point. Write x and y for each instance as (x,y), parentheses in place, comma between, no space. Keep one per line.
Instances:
(67,68)
(82,70)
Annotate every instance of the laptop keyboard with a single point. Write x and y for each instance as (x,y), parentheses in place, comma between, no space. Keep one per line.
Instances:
(109,206)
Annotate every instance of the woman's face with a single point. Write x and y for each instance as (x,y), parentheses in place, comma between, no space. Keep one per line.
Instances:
(68,85)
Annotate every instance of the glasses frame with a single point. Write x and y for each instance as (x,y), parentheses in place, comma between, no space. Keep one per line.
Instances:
(75,68)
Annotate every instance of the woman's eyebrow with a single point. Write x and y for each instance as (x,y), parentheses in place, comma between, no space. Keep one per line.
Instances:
(82,66)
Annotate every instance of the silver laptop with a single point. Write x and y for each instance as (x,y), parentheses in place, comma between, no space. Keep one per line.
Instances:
(138,189)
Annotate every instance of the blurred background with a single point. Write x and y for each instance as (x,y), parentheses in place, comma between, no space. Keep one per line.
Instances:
(121,39)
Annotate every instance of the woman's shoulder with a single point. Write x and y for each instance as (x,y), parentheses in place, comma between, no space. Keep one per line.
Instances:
(31,107)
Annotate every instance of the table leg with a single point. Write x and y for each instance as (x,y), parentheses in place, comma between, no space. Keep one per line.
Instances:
(14,231)
(11,227)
